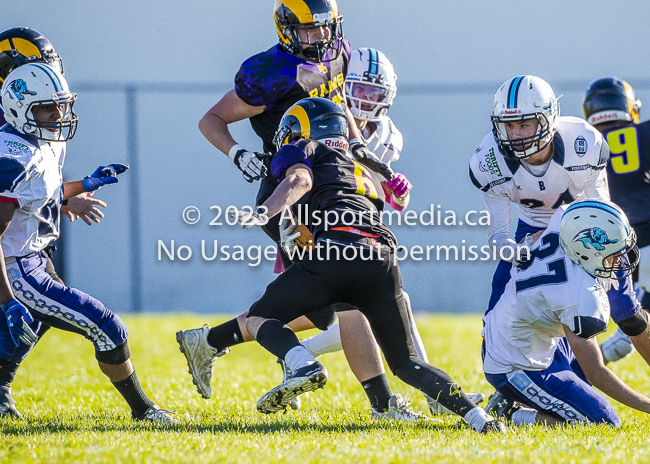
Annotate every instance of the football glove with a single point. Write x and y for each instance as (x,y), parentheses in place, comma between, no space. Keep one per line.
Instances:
(522,251)
(248,218)
(104,175)
(369,159)
(17,319)
(250,164)
(288,236)
(400,185)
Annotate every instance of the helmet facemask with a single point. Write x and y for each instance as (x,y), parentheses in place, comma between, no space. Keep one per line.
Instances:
(53,131)
(622,263)
(522,148)
(369,101)
(313,49)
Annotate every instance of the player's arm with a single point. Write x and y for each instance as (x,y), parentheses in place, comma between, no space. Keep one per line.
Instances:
(103,175)
(596,185)
(7,210)
(590,359)
(499,229)
(299,180)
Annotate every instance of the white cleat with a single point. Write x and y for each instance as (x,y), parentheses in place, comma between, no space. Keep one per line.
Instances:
(438,409)
(398,409)
(158,415)
(200,357)
(305,379)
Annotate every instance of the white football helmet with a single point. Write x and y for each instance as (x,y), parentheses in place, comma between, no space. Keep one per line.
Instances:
(371,84)
(525,98)
(30,87)
(597,236)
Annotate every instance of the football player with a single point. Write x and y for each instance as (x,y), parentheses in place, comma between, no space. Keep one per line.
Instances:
(370,89)
(311,59)
(540,348)
(319,177)
(611,106)
(19,46)
(38,107)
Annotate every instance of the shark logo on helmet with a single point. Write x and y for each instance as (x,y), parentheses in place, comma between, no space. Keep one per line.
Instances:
(595,236)
(19,87)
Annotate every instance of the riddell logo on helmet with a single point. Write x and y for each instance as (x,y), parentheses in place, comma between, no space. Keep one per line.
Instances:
(335,143)
(607,116)
(513,111)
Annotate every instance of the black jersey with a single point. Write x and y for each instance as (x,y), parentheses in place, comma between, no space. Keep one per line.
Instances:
(628,170)
(276,79)
(341,185)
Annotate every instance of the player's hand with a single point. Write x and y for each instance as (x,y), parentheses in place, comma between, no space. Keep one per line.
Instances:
(287,238)
(103,175)
(17,319)
(247,218)
(400,185)
(250,164)
(84,207)
(369,159)
(523,254)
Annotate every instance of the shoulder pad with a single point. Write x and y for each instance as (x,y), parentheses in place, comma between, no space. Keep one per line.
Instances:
(265,78)
(488,166)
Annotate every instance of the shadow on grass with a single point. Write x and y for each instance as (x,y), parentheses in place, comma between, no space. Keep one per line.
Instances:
(94,423)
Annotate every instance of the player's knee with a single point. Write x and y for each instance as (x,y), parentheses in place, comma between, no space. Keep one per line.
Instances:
(118,355)
(636,324)
(617,347)
(323,318)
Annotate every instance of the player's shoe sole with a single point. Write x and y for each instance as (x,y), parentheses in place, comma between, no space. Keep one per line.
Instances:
(305,379)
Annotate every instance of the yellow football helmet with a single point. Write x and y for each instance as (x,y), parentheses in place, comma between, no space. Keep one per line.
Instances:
(610,99)
(22,45)
(309,28)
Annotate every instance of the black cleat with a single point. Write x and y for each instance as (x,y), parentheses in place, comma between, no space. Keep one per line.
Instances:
(305,379)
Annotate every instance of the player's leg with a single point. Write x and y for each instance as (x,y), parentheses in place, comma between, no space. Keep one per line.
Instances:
(384,306)
(74,311)
(561,391)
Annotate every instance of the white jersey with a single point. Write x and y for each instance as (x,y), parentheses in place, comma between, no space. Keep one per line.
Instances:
(576,171)
(30,173)
(522,330)
(385,141)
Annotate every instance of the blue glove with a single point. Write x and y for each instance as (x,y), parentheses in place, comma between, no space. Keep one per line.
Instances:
(103,175)
(17,319)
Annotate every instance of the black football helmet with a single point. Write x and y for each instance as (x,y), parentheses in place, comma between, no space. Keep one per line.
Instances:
(610,99)
(314,118)
(22,45)
(292,15)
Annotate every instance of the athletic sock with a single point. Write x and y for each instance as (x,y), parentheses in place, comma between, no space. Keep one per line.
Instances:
(477,418)
(225,335)
(276,338)
(325,342)
(8,371)
(298,357)
(524,417)
(378,392)
(137,399)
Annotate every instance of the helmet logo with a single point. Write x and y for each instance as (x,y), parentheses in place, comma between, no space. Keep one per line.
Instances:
(19,87)
(374,78)
(595,236)
(322,68)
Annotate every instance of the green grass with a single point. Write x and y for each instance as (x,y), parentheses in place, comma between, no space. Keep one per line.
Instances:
(73,413)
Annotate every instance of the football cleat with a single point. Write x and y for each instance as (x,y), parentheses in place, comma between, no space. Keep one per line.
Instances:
(7,403)
(398,409)
(305,379)
(200,357)
(494,426)
(296,403)
(158,415)
(501,407)
(437,409)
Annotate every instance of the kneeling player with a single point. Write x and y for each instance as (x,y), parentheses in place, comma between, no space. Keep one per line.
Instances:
(329,184)
(540,348)
(38,108)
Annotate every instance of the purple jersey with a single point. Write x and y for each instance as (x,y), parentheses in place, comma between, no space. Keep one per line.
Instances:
(628,170)
(277,80)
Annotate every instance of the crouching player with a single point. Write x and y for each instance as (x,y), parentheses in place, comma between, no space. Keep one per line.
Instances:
(540,348)
(37,106)
(329,184)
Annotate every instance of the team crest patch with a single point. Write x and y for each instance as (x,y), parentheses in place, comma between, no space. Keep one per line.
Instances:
(19,87)
(16,148)
(595,236)
(492,164)
(580,146)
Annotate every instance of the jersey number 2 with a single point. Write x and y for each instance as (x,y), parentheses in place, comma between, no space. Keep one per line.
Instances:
(556,269)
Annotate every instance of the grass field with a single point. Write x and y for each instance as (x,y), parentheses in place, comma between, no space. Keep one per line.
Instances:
(73,413)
